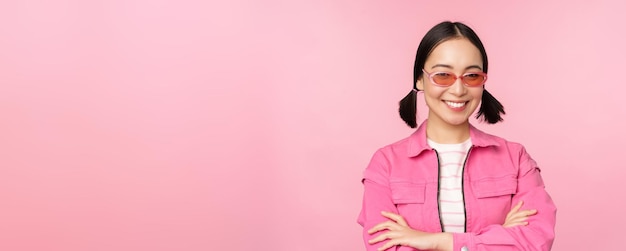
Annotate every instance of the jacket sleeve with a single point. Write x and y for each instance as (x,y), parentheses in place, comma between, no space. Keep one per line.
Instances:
(537,235)
(376,198)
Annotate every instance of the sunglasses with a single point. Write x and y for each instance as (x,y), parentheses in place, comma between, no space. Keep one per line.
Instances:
(445,79)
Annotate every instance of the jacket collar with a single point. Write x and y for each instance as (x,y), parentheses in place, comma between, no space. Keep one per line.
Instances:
(418,141)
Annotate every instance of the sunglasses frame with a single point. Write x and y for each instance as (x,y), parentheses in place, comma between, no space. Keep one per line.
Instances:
(462,77)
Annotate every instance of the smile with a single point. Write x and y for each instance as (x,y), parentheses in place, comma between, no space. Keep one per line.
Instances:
(455,104)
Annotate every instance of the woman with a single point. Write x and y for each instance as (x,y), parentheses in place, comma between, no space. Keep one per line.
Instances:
(450,186)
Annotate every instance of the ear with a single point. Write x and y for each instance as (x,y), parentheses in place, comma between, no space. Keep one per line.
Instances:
(420,84)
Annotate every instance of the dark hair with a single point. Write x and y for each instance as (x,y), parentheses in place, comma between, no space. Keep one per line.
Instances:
(490,109)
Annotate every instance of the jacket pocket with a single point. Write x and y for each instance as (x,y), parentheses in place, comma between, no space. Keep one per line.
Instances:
(407,193)
(494,196)
(494,187)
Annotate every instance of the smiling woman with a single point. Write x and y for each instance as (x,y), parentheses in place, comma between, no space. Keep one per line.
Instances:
(450,186)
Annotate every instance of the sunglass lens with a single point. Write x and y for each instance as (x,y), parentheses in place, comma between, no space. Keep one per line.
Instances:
(443,78)
(474,79)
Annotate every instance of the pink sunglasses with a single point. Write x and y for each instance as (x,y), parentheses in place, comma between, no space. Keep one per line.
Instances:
(445,79)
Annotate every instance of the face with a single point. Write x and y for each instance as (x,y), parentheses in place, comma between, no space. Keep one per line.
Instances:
(452,105)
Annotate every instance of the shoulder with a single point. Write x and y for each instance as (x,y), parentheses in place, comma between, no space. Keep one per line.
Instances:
(379,168)
(504,147)
(397,148)
(390,154)
(487,139)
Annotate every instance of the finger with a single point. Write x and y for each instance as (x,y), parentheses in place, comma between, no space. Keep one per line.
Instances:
(531,212)
(515,208)
(379,238)
(389,244)
(515,221)
(381,226)
(378,227)
(395,217)
(519,219)
(523,223)
(524,213)
(518,216)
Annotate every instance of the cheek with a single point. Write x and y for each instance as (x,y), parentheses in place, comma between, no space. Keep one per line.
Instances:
(431,98)
(433,93)
(477,94)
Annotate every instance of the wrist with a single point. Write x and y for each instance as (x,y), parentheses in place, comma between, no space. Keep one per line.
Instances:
(444,242)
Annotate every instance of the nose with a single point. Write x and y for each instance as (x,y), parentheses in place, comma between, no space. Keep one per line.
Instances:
(458,88)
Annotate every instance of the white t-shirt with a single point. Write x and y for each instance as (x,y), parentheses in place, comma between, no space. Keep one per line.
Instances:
(451,160)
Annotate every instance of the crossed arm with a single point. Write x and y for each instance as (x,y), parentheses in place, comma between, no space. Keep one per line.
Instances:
(522,229)
(397,231)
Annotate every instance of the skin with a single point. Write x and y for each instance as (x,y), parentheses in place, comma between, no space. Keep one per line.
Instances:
(448,126)
(457,56)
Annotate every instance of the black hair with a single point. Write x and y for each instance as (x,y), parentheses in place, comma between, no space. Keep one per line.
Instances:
(490,109)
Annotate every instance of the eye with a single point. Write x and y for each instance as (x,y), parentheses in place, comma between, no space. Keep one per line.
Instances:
(472,76)
(442,75)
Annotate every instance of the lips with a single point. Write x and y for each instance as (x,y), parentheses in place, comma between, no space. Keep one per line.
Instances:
(454,104)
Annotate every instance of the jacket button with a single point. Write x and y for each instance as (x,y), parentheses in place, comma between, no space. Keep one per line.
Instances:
(464,248)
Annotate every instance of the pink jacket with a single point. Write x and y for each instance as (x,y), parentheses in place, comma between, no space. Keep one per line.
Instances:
(403,178)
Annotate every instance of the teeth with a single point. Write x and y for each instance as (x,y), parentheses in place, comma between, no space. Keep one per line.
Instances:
(455,104)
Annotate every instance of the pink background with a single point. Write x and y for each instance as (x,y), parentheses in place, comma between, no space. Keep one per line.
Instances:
(246,125)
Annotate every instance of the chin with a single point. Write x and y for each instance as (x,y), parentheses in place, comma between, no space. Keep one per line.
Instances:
(457,122)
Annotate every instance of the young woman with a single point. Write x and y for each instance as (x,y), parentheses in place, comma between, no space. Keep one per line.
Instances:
(450,186)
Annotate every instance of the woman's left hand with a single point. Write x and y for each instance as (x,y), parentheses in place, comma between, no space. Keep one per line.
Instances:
(399,233)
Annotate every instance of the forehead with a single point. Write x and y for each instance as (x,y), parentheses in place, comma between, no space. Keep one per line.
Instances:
(458,53)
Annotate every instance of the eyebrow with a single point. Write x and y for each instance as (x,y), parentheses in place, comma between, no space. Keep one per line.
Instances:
(450,67)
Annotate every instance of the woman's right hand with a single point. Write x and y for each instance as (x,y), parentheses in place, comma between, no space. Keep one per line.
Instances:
(518,218)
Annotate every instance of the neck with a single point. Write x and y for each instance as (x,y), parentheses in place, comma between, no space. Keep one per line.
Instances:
(445,133)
